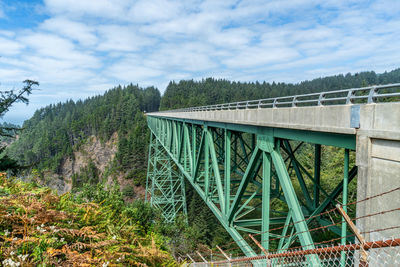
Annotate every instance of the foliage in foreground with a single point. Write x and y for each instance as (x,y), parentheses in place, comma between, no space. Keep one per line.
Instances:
(38,227)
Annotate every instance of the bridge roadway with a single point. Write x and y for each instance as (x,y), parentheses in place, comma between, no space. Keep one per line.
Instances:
(370,128)
(377,132)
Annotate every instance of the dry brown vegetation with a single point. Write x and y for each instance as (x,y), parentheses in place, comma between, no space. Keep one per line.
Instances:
(40,228)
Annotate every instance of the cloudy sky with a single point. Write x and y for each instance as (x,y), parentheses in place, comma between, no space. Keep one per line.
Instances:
(80,48)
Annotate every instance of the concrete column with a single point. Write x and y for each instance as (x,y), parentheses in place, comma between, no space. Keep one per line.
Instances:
(378,161)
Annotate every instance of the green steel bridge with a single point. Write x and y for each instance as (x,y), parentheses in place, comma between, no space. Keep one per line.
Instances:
(242,158)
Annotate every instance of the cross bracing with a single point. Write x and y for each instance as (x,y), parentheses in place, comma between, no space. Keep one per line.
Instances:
(166,188)
(241,171)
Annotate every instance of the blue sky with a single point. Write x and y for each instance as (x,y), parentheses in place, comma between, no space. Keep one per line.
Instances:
(80,48)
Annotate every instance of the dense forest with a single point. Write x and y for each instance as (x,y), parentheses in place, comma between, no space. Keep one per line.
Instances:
(210,91)
(55,132)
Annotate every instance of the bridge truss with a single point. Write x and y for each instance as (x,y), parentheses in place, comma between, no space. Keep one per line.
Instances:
(242,172)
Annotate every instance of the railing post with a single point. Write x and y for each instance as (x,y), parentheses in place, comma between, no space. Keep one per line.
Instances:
(371,95)
(294,100)
(320,98)
(349,95)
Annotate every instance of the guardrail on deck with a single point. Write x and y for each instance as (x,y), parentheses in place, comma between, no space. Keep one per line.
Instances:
(364,95)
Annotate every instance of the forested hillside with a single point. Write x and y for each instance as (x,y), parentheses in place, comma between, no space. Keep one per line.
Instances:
(8,132)
(55,133)
(211,91)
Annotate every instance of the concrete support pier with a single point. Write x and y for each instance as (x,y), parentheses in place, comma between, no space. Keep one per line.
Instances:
(378,161)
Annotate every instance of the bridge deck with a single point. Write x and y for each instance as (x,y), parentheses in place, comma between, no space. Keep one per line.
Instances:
(381,120)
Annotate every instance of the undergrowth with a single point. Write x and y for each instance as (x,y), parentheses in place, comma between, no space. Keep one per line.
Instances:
(40,228)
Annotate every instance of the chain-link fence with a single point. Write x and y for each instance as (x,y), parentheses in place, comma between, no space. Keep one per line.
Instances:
(382,248)
(378,253)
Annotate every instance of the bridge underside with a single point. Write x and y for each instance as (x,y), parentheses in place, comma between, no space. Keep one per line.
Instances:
(251,177)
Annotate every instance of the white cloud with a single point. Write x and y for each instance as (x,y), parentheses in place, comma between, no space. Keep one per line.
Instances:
(98,8)
(9,47)
(55,71)
(191,57)
(150,11)
(49,59)
(121,38)
(70,29)
(12,74)
(386,8)
(130,69)
(261,56)
(52,47)
(233,38)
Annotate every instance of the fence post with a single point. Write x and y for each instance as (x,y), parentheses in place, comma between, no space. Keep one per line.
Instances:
(261,247)
(191,259)
(354,229)
(226,256)
(201,256)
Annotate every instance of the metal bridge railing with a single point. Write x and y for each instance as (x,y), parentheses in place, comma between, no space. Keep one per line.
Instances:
(364,95)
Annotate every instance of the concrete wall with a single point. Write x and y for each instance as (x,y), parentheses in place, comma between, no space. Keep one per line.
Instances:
(323,118)
(378,161)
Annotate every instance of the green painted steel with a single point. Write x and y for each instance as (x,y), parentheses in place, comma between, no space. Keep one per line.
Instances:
(240,171)
(322,138)
(164,184)
(266,192)
(344,203)
(317,175)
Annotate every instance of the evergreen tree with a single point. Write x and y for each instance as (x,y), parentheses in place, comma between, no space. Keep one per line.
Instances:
(7,99)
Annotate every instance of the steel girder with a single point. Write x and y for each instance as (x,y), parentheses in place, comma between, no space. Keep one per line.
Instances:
(240,171)
(164,184)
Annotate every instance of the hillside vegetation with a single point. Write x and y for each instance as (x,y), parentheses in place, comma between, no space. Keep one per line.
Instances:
(55,132)
(41,228)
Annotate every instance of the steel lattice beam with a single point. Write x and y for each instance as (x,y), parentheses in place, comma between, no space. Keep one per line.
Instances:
(164,185)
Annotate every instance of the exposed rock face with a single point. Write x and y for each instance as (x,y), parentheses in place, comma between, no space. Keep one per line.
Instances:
(101,154)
